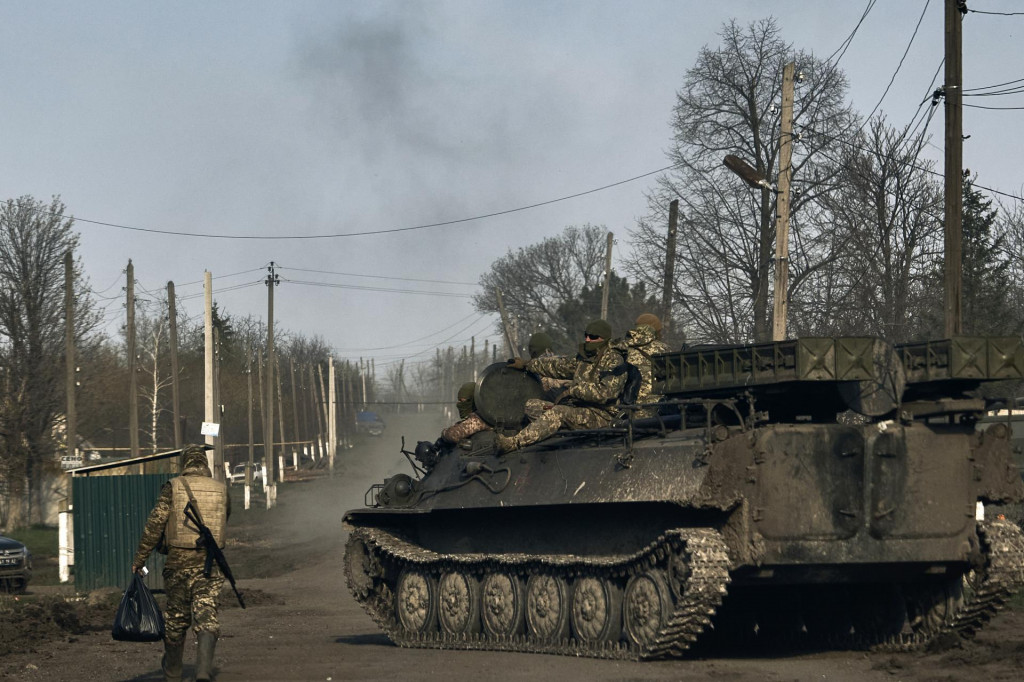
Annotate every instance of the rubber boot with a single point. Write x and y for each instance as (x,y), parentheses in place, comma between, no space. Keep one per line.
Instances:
(207,642)
(171,663)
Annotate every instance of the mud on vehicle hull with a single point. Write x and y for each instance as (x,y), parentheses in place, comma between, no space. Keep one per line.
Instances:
(756,516)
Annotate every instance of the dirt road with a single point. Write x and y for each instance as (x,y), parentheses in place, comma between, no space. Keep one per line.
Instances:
(303,625)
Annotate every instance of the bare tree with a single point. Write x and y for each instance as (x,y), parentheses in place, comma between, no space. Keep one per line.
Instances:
(152,331)
(887,213)
(729,105)
(34,236)
(536,280)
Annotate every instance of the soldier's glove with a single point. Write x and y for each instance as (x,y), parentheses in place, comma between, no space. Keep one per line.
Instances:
(517,363)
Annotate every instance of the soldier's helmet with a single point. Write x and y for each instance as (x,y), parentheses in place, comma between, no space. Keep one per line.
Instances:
(539,344)
(193,457)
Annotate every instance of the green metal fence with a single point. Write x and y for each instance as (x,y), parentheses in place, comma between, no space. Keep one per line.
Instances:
(109,514)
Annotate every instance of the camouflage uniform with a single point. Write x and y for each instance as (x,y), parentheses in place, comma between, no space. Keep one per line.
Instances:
(639,344)
(588,402)
(465,428)
(191,596)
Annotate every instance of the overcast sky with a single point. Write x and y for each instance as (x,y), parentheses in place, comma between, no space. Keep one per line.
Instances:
(298,119)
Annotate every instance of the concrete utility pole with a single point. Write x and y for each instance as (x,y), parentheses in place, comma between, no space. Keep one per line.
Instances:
(513,351)
(208,402)
(607,278)
(318,421)
(954,168)
(362,375)
(268,441)
(133,381)
(172,320)
(295,404)
(71,420)
(280,421)
(781,292)
(332,418)
(252,444)
(670,266)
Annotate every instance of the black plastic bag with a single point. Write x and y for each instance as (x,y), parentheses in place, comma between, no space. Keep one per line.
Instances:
(138,617)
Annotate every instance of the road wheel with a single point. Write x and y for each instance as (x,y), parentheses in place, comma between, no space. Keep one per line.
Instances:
(503,605)
(596,610)
(459,609)
(547,608)
(416,601)
(646,607)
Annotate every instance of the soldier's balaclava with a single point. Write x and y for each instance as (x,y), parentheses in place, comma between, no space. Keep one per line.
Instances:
(464,400)
(540,343)
(193,457)
(597,328)
(652,321)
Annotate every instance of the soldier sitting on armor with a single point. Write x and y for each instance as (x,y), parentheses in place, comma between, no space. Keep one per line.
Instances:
(639,344)
(470,422)
(598,374)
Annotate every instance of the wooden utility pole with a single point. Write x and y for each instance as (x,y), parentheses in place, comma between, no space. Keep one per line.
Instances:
(133,381)
(218,443)
(954,169)
(208,410)
(513,351)
(607,278)
(272,281)
(670,266)
(172,321)
(781,293)
(362,375)
(252,444)
(71,421)
(332,418)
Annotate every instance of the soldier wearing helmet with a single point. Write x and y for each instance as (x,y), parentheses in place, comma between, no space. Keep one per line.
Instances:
(191,595)
(598,373)
(639,344)
(469,421)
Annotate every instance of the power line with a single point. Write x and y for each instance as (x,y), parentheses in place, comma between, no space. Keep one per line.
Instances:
(333,285)
(920,168)
(845,45)
(997,14)
(402,279)
(900,65)
(979,106)
(338,235)
(409,343)
(997,85)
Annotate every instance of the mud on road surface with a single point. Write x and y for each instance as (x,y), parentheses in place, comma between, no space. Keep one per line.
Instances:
(302,624)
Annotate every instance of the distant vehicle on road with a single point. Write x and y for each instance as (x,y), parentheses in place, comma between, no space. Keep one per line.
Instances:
(238,473)
(369,423)
(15,565)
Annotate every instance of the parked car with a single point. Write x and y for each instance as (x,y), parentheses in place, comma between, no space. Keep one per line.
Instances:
(15,565)
(369,423)
(238,473)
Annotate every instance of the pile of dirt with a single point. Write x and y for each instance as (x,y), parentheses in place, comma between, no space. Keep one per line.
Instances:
(30,622)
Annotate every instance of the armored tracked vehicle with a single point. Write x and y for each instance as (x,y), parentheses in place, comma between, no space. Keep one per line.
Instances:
(833,491)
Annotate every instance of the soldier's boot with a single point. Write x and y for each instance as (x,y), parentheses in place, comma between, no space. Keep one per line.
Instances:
(207,642)
(171,663)
(504,444)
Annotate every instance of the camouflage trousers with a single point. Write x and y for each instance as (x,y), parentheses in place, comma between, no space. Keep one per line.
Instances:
(191,600)
(547,420)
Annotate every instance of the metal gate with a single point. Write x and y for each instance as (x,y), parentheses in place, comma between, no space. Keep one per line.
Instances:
(109,515)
